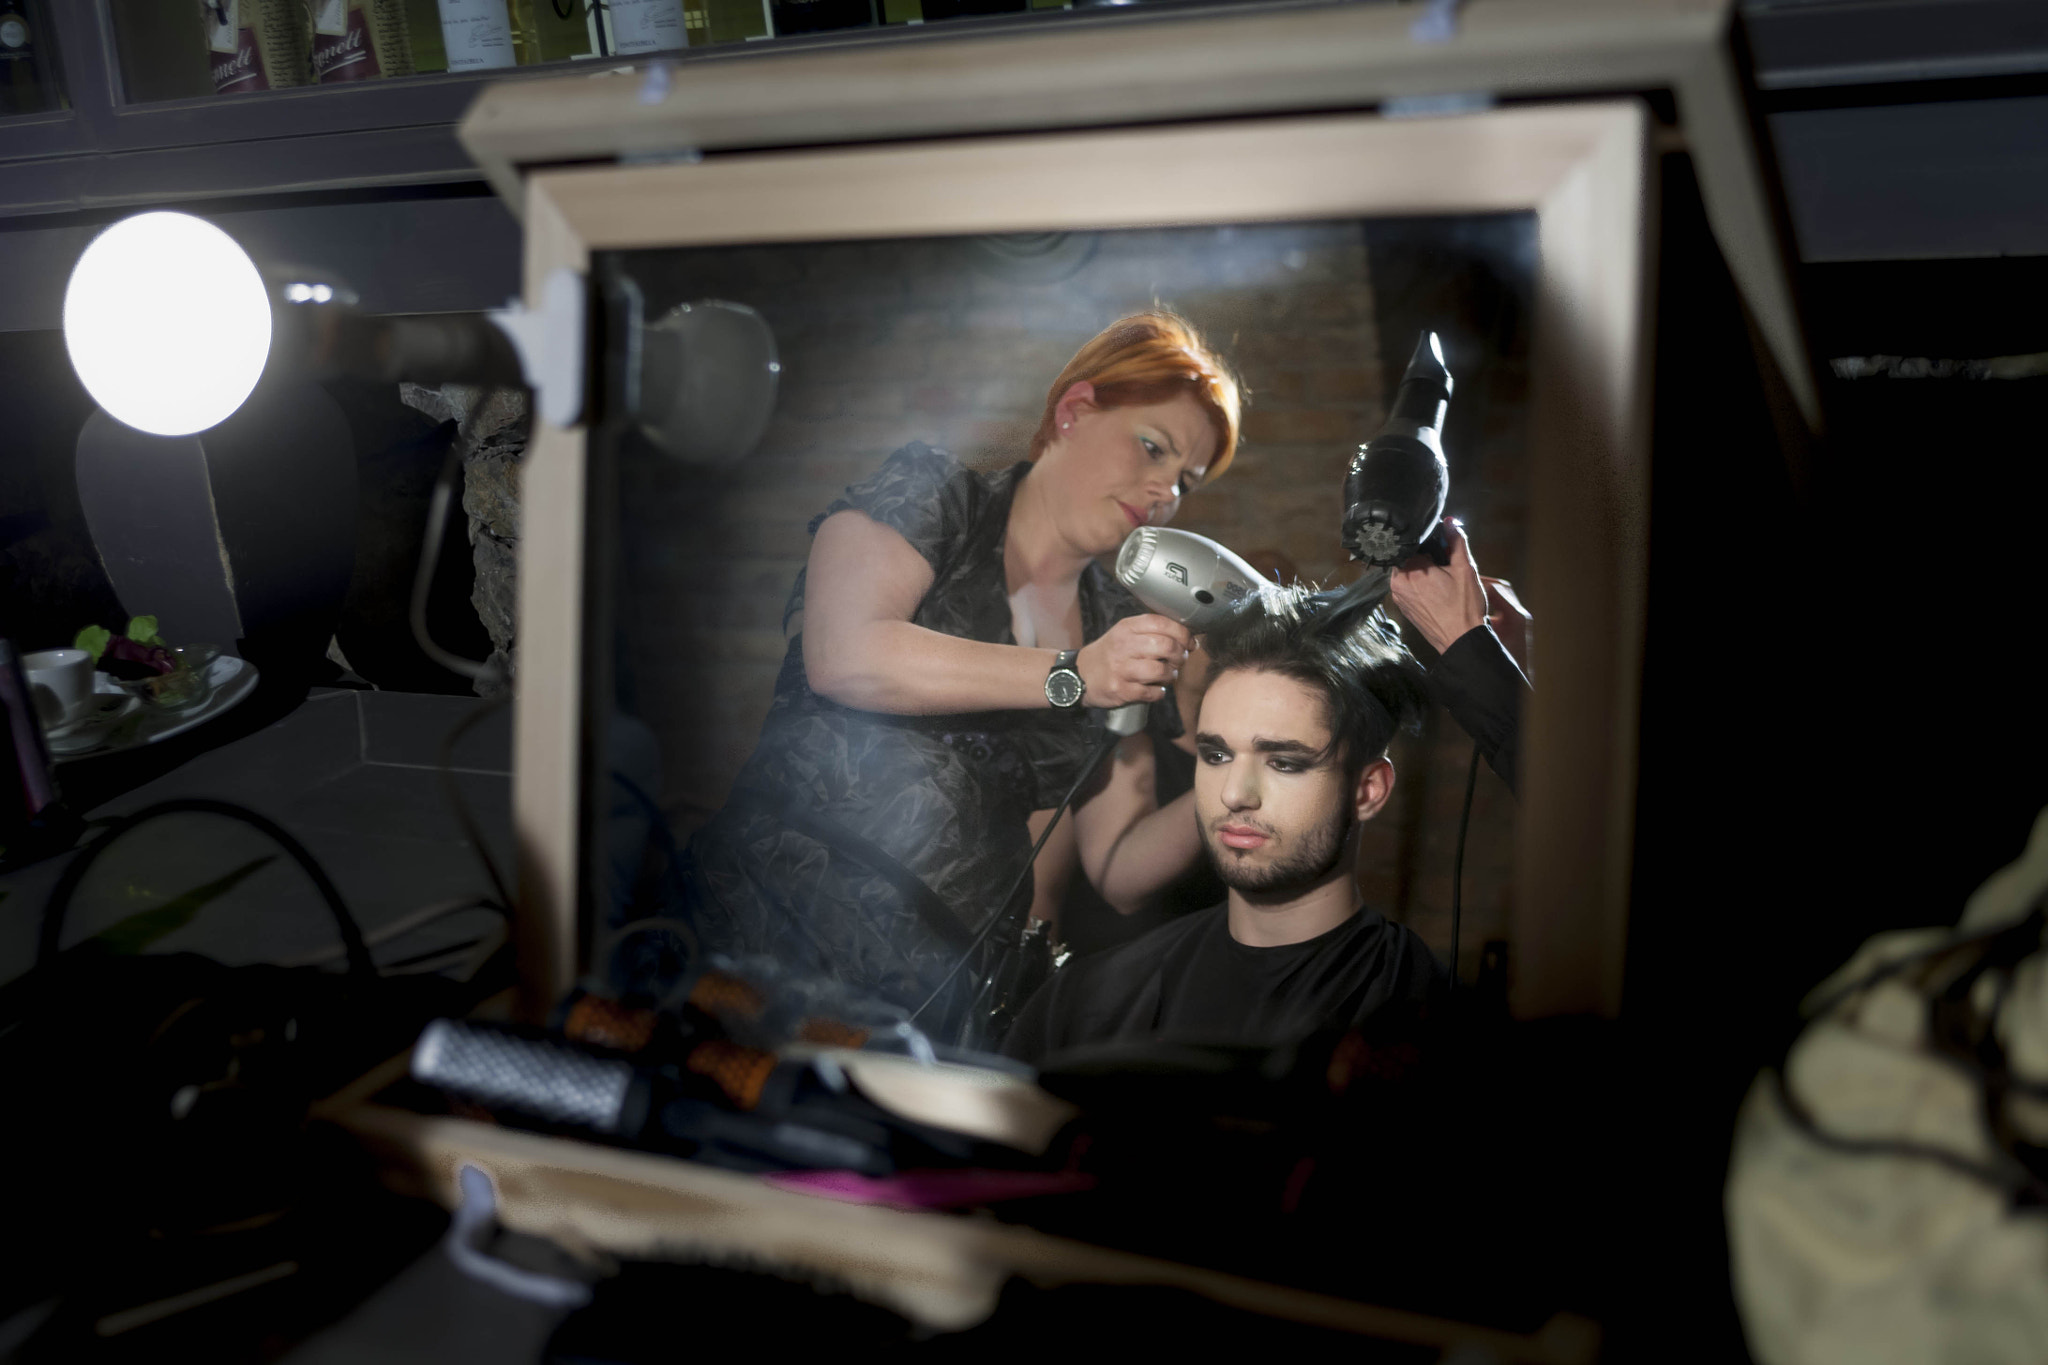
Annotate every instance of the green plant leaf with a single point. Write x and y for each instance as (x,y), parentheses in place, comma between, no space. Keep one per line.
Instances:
(135,933)
(93,640)
(142,630)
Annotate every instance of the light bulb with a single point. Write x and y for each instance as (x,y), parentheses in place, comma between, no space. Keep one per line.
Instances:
(167,323)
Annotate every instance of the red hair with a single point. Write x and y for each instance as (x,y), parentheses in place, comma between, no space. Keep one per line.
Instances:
(1151,358)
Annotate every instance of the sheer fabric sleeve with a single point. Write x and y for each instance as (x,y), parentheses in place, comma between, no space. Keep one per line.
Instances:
(922,494)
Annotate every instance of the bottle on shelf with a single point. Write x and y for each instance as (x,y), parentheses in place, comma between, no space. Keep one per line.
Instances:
(926,11)
(641,26)
(28,83)
(962,9)
(727,21)
(823,16)
(483,34)
(256,44)
(356,40)
(525,33)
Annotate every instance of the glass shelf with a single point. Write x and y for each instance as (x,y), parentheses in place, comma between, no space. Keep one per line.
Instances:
(162,101)
(203,49)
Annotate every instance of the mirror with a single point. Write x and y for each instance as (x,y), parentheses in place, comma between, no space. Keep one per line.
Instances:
(953,342)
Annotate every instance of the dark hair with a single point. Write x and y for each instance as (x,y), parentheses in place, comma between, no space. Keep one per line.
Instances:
(1371,686)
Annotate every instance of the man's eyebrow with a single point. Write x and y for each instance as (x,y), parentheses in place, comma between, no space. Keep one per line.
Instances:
(1291,747)
(1285,746)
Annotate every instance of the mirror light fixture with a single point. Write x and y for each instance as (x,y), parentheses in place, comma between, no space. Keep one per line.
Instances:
(170,325)
(167,322)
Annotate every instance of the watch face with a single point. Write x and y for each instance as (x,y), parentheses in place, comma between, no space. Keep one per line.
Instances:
(1063,687)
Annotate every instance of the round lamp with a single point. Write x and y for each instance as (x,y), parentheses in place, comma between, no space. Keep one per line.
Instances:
(167,323)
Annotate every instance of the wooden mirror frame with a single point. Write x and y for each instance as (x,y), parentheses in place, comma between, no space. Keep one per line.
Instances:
(1585,170)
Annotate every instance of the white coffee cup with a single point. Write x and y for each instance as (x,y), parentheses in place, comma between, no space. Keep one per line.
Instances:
(60,680)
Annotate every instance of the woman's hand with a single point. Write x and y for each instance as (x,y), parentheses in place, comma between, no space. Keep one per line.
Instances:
(1136,659)
(1442,601)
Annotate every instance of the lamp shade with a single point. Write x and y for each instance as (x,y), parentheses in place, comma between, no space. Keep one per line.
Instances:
(242,536)
(167,323)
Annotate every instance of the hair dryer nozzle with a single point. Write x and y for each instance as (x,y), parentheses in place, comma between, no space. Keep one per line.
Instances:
(1428,364)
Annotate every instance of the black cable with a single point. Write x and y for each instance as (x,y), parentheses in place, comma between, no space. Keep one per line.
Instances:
(672,853)
(1458,863)
(470,829)
(360,963)
(1110,741)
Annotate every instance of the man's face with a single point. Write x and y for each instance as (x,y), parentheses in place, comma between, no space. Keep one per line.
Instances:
(1270,796)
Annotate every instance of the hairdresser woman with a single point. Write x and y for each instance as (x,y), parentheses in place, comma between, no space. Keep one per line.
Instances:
(924,708)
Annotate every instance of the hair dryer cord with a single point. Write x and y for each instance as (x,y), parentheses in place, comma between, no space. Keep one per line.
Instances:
(1109,741)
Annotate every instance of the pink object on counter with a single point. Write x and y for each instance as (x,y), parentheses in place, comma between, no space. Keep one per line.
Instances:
(930,1189)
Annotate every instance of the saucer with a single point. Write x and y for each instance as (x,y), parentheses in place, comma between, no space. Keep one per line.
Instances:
(229,682)
(103,711)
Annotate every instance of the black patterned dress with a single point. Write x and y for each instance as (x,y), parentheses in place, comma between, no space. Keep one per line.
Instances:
(869,848)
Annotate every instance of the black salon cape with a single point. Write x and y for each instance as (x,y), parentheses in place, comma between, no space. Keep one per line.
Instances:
(1191,981)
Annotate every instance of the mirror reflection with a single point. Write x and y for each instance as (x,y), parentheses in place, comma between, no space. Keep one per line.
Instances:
(885,722)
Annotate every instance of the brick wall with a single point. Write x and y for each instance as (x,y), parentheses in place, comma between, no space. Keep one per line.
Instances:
(955,341)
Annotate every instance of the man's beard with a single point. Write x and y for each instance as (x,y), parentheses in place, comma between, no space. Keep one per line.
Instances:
(1317,852)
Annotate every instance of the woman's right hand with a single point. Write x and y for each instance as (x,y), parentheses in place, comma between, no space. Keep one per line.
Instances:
(1136,659)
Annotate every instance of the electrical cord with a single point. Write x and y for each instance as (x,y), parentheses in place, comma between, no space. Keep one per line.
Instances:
(487,671)
(423,577)
(471,955)
(360,963)
(1109,742)
(398,928)
(672,855)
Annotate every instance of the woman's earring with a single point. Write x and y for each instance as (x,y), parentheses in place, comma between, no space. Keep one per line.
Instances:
(1065,425)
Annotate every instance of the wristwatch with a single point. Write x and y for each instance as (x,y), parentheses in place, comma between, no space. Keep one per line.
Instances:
(1063,686)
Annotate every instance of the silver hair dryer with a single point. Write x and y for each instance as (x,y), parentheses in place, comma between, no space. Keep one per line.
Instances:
(1181,575)
(1185,576)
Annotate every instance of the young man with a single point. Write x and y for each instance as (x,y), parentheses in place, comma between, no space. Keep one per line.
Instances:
(1290,762)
